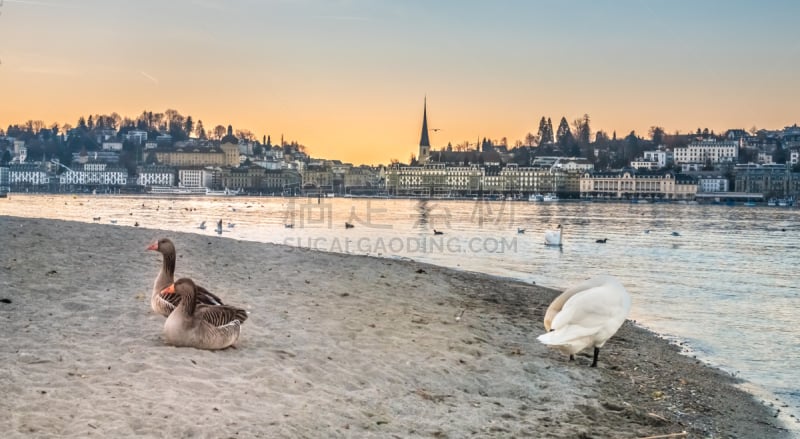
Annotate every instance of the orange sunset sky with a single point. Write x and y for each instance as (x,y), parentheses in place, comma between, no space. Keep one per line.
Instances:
(347,78)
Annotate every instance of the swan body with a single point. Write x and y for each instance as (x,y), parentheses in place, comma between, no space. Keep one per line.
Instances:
(162,303)
(200,326)
(586,315)
(553,237)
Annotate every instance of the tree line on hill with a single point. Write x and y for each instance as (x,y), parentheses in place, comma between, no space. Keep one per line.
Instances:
(88,134)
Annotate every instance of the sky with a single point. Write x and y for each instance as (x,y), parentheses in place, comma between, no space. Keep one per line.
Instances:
(347,78)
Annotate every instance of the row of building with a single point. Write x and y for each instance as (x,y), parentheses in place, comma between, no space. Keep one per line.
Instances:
(567,177)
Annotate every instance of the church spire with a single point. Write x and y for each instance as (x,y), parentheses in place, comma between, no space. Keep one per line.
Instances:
(424,142)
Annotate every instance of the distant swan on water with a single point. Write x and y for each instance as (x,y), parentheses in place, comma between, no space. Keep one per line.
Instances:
(585,315)
(553,237)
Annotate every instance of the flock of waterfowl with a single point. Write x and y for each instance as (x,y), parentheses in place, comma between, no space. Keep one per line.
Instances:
(195,317)
(583,316)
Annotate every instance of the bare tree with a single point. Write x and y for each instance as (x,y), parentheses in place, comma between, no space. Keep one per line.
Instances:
(219,131)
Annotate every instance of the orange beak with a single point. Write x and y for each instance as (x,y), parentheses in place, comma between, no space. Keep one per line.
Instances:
(169,290)
(153,246)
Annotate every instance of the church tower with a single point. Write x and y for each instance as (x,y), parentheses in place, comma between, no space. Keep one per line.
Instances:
(424,143)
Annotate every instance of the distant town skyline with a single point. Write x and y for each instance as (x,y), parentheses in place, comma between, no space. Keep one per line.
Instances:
(347,79)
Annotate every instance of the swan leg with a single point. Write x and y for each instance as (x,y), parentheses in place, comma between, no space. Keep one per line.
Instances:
(594,359)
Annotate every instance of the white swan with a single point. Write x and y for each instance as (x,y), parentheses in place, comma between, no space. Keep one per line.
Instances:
(587,314)
(553,237)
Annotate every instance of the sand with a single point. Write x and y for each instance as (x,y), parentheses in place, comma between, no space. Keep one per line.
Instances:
(335,346)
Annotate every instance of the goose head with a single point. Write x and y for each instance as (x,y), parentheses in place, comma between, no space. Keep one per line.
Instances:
(183,287)
(163,246)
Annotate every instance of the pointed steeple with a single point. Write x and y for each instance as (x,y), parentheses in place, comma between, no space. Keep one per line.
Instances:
(424,142)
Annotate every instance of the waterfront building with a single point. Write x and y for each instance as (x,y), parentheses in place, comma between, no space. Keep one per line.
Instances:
(437,179)
(27,175)
(774,180)
(630,183)
(195,177)
(94,174)
(711,182)
(256,179)
(155,175)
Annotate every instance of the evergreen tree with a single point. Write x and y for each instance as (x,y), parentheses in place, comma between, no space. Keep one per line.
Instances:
(200,131)
(550,138)
(563,135)
(189,126)
(545,134)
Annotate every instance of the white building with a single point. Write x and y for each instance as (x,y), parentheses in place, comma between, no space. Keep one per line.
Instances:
(712,183)
(156,175)
(708,150)
(662,158)
(645,165)
(573,164)
(765,158)
(794,157)
(27,174)
(94,174)
(112,146)
(136,136)
(195,177)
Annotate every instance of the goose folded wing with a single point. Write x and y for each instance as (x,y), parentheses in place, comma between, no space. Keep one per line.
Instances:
(207,297)
(220,315)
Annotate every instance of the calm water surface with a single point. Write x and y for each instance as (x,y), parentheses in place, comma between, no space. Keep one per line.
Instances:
(726,285)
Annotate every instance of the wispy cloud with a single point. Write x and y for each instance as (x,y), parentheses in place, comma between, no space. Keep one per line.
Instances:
(152,78)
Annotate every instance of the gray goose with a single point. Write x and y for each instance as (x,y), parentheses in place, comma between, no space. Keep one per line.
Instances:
(200,326)
(164,304)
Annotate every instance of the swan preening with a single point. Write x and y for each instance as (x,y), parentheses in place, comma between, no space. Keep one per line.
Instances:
(585,315)
(553,237)
(197,325)
(165,304)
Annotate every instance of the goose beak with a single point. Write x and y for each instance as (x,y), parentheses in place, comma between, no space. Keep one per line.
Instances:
(169,290)
(153,246)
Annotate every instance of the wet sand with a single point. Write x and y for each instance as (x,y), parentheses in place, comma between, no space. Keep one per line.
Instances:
(335,346)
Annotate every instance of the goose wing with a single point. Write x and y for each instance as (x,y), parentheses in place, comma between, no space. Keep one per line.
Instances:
(220,315)
(206,297)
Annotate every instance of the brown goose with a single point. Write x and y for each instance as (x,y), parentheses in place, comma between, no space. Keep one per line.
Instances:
(200,326)
(164,304)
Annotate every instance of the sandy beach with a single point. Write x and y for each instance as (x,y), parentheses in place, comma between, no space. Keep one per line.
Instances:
(335,346)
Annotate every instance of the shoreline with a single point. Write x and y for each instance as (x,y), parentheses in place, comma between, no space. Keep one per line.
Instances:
(338,345)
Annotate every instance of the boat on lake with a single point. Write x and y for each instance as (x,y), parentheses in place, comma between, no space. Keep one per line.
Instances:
(177,190)
(224,193)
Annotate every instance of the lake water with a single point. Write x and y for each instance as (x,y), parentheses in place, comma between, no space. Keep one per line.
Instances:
(725,285)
